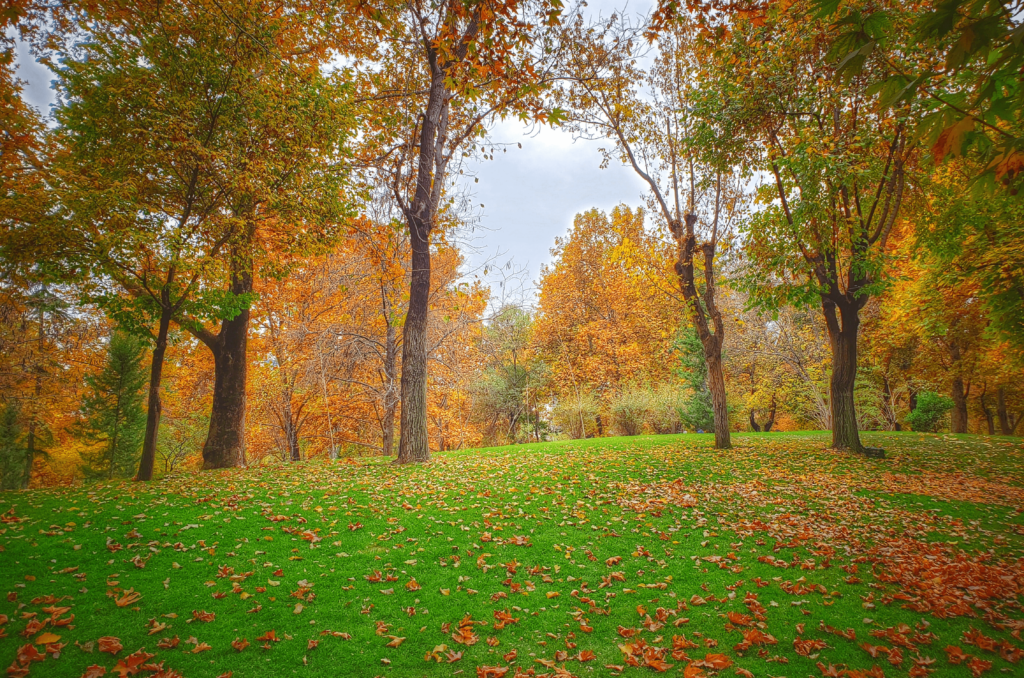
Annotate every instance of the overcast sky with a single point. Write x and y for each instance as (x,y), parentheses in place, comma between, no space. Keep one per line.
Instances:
(530,195)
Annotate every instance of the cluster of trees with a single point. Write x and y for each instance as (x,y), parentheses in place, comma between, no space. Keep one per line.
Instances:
(261,201)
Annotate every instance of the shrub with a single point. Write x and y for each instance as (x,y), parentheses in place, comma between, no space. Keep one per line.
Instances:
(576,415)
(665,414)
(931,409)
(630,409)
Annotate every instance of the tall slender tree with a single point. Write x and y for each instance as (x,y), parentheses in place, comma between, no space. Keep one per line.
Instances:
(114,419)
(442,72)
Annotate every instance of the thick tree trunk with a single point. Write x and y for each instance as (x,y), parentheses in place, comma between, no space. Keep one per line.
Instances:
(225,441)
(771,416)
(716,383)
(1007,423)
(753,423)
(153,408)
(958,417)
(414,446)
(842,330)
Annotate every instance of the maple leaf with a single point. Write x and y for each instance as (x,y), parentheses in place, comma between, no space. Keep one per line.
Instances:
(269,636)
(168,643)
(110,644)
(395,641)
(239,645)
(127,598)
(94,671)
(714,661)
(132,664)
(312,644)
(491,671)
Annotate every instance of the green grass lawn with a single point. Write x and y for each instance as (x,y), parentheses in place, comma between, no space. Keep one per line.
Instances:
(589,558)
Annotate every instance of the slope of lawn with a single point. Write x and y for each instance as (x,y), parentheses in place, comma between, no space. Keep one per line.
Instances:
(627,556)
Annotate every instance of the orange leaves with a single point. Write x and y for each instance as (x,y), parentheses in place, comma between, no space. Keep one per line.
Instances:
(716,662)
(503,618)
(110,644)
(491,671)
(94,671)
(168,643)
(395,641)
(269,636)
(804,647)
(412,585)
(132,664)
(203,616)
(464,634)
(127,598)
(239,645)
(740,619)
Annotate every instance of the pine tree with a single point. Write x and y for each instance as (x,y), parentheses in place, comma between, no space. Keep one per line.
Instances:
(699,413)
(114,416)
(12,449)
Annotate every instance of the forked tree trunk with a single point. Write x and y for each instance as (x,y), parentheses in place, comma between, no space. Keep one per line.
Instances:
(153,407)
(225,441)
(842,330)
(706,318)
(771,416)
(1007,423)
(753,423)
(987,412)
(414,446)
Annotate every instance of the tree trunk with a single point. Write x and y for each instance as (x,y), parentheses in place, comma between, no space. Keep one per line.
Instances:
(701,314)
(771,416)
(154,408)
(390,396)
(753,423)
(225,441)
(888,407)
(1006,424)
(843,342)
(414,446)
(958,417)
(716,383)
(985,410)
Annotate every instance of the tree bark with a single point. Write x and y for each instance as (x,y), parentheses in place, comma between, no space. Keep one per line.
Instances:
(753,423)
(154,406)
(1007,423)
(716,384)
(225,441)
(958,417)
(701,312)
(771,416)
(390,397)
(985,410)
(414,446)
(842,331)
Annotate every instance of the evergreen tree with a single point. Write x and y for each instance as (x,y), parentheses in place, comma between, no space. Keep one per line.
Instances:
(12,449)
(113,411)
(699,411)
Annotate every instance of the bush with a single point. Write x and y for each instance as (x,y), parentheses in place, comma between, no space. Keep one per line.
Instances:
(576,415)
(930,411)
(665,413)
(630,410)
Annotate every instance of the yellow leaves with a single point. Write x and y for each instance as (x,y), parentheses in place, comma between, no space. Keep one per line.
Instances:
(395,641)
(46,638)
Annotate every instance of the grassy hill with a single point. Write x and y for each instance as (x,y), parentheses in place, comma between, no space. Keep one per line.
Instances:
(590,558)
